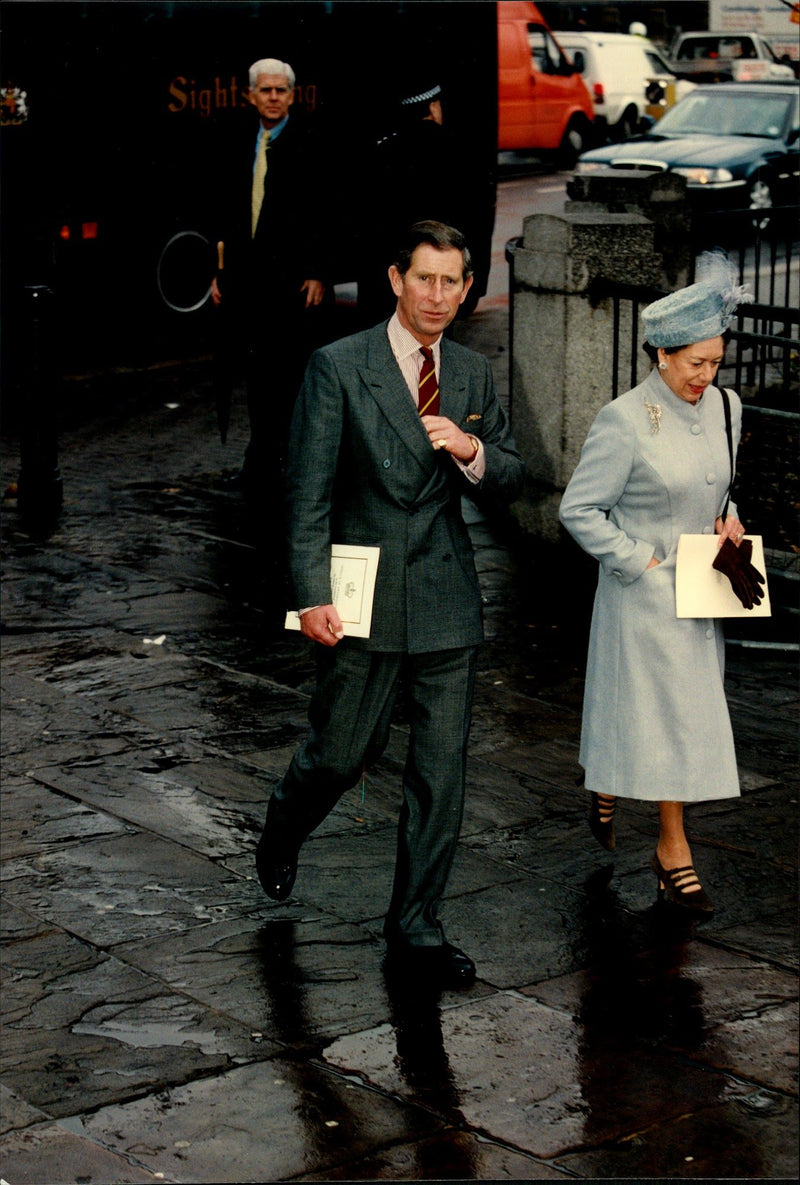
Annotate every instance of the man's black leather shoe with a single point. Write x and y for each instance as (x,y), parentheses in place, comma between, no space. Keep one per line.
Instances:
(276,862)
(430,966)
(456,968)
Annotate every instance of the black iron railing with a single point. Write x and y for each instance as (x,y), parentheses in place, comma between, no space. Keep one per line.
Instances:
(765,355)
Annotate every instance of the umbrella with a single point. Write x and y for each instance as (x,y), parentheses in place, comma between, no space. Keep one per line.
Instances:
(222,367)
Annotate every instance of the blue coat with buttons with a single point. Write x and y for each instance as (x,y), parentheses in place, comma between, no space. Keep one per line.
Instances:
(362,471)
(655,722)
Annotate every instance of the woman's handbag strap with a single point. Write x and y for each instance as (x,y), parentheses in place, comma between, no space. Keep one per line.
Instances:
(726,407)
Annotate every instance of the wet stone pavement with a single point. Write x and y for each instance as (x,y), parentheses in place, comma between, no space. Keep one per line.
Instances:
(164,1021)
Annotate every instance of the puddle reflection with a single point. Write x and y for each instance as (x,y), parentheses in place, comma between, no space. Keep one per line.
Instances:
(421,1060)
(283,982)
(636,988)
(642,1017)
(424,1064)
(319,1101)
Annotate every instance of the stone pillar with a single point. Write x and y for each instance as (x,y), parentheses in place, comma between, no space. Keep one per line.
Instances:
(562,339)
(660,197)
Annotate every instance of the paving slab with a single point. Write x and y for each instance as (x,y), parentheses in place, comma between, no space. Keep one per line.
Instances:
(91,1029)
(300,976)
(717,1008)
(776,940)
(263,1122)
(501,798)
(516,1071)
(758,1130)
(112,890)
(760,1048)
(198,695)
(16,1113)
(50,1155)
(450,1155)
(624,970)
(755,823)
(152,799)
(45,725)
(35,820)
(515,719)
(746,889)
(106,676)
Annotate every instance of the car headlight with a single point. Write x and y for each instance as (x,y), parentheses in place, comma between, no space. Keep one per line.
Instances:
(703,176)
(590,166)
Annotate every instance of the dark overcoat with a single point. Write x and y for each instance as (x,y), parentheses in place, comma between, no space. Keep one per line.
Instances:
(293,237)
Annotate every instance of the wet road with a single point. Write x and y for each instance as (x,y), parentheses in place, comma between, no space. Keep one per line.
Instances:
(164,1021)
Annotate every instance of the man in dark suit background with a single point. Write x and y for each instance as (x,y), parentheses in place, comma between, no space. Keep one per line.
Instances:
(366,468)
(274,280)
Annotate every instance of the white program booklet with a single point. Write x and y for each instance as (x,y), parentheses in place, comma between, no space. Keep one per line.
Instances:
(701,591)
(353,573)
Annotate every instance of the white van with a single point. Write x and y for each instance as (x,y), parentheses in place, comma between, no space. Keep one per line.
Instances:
(618,69)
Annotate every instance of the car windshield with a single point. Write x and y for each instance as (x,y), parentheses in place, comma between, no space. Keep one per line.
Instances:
(710,46)
(723,114)
(657,63)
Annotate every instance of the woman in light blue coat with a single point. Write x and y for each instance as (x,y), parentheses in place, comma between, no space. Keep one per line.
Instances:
(656,465)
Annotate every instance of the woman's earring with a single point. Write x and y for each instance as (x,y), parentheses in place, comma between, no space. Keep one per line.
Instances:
(662,366)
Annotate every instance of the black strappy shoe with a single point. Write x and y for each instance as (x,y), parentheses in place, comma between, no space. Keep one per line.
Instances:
(601,820)
(678,885)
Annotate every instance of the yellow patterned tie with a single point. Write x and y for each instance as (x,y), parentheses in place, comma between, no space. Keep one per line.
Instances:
(259,173)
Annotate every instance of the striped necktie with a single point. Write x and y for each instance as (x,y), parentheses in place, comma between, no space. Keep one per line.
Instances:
(259,173)
(428,401)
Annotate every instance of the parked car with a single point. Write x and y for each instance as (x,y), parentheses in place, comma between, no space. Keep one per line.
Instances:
(618,70)
(736,143)
(543,103)
(725,57)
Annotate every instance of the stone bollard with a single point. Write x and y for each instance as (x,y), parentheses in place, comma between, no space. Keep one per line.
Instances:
(562,339)
(660,197)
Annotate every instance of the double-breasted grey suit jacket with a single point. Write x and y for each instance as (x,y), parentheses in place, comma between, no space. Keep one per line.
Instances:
(362,471)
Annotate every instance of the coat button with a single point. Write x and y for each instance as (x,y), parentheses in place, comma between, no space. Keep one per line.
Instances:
(707,530)
(696,429)
(711,478)
(387,464)
(710,633)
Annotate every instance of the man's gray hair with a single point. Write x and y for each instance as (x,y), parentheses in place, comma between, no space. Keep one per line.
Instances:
(271,66)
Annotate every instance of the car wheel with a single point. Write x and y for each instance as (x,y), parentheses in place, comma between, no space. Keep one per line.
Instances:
(627,124)
(760,200)
(574,141)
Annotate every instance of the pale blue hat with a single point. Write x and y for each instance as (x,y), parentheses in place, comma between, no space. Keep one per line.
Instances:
(705,309)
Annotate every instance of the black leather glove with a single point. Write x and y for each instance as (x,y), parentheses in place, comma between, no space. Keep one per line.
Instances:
(734,562)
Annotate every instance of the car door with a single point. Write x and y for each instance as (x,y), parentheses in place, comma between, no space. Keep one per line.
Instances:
(554,83)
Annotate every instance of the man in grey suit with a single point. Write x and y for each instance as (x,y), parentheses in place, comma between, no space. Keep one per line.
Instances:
(373,462)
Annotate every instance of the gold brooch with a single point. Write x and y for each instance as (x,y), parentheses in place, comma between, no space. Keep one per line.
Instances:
(654,410)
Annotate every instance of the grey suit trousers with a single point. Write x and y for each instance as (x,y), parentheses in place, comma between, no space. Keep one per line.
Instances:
(350,714)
